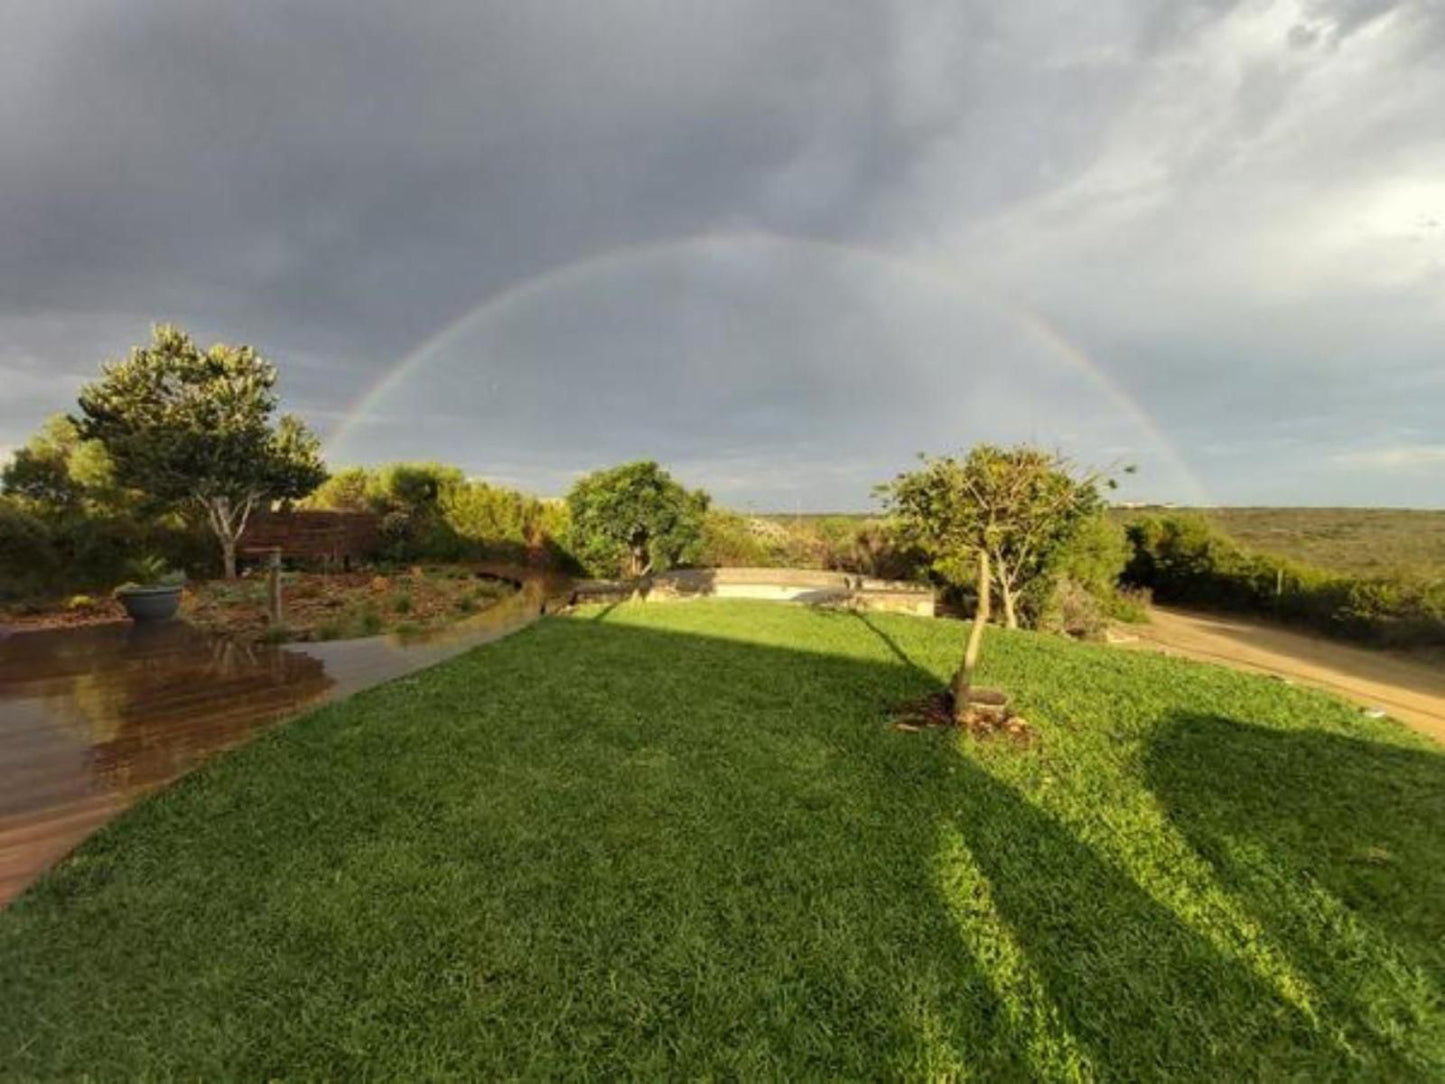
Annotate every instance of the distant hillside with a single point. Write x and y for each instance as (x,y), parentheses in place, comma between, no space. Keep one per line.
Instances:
(1366,541)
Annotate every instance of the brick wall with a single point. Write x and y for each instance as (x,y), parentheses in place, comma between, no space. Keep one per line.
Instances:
(338,537)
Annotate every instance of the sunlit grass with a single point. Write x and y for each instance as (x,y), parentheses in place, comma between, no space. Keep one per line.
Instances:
(674,840)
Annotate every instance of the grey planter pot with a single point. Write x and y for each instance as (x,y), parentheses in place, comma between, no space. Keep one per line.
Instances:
(155,603)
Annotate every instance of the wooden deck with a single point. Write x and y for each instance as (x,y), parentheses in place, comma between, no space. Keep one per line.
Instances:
(92,719)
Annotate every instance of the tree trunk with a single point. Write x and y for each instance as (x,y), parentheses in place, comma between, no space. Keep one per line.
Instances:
(1010,618)
(963,679)
(228,523)
(641,566)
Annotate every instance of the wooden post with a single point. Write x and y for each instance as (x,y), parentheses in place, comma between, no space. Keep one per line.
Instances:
(273,586)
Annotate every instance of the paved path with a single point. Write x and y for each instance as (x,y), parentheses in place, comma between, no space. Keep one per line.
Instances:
(92,719)
(1411,690)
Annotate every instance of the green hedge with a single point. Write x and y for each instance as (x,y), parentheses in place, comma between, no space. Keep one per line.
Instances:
(62,553)
(1185,559)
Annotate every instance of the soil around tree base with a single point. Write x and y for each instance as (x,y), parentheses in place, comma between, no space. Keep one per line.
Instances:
(985,720)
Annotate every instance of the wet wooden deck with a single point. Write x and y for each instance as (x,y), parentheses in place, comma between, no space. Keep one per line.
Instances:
(92,719)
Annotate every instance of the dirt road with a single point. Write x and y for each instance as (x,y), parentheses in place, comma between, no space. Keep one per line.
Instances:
(1410,690)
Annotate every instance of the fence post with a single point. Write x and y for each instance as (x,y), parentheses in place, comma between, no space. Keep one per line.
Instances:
(273,586)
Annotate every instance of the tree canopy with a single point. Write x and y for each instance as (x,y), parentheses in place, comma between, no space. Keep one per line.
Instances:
(635,519)
(1019,505)
(199,427)
(996,517)
(56,472)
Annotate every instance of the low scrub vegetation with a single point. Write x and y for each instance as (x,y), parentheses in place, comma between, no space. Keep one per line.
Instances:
(840,543)
(433,512)
(1366,542)
(1186,559)
(684,842)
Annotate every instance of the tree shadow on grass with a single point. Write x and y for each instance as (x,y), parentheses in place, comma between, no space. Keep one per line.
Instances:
(1334,844)
(1139,993)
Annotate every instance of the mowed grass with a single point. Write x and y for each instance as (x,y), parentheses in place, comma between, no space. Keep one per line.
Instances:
(682,840)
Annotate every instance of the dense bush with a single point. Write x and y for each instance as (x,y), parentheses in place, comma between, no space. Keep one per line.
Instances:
(430,511)
(730,539)
(68,526)
(502,522)
(28,560)
(1183,558)
(1077,592)
(47,553)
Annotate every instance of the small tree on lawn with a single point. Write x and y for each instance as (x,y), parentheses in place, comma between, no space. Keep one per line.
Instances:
(995,518)
(635,519)
(198,428)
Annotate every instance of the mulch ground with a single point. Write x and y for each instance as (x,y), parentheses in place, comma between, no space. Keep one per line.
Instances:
(315,606)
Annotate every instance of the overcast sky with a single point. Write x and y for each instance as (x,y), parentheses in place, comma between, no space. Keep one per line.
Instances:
(780,246)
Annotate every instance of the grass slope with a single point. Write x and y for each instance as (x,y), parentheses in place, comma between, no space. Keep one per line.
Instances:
(682,840)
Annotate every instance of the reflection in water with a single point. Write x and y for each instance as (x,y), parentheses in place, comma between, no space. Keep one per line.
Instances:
(92,718)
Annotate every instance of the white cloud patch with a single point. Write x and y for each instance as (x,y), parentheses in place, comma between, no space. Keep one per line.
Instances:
(1396,457)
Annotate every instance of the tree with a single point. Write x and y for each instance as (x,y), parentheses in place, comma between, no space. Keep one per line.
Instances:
(996,517)
(635,519)
(57,474)
(345,491)
(197,428)
(40,471)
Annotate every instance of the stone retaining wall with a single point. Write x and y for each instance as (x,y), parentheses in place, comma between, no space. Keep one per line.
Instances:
(805,585)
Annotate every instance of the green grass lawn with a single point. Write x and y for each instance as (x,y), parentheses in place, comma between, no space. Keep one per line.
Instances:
(682,840)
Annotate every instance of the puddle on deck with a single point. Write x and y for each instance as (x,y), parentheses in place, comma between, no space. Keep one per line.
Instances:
(93,718)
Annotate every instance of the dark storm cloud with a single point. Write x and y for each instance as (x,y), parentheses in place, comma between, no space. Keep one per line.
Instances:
(1227,205)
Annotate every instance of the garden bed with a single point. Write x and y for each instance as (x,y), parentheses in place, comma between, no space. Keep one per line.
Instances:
(315,606)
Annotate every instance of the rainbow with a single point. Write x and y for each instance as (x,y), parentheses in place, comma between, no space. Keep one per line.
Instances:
(1029,321)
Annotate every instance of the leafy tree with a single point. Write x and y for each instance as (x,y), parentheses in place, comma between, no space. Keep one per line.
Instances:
(43,473)
(345,491)
(197,427)
(997,517)
(635,519)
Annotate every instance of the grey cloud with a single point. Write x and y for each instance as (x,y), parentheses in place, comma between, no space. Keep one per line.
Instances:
(1201,195)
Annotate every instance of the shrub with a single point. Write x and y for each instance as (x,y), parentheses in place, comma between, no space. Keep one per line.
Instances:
(844,543)
(1129,604)
(28,560)
(368,621)
(1072,609)
(1088,561)
(730,539)
(432,512)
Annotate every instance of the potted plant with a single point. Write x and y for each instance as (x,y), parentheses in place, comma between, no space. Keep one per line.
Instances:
(153,593)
